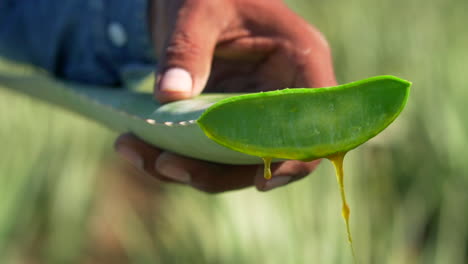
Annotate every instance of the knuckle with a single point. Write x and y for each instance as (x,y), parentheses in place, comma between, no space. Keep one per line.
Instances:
(316,44)
(182,46)
(307,40)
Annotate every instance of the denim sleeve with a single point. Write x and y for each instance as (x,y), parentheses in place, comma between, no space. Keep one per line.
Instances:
(93,41)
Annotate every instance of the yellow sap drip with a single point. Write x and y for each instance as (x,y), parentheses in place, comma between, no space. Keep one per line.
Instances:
(266,168)
(337,160)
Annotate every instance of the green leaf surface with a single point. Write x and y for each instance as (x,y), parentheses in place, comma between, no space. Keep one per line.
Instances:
(286,124)
(305,124)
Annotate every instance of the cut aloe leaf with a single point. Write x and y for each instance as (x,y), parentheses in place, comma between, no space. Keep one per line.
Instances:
(305,124)
(287,124)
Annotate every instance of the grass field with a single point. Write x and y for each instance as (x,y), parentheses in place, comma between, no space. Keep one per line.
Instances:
(66,198)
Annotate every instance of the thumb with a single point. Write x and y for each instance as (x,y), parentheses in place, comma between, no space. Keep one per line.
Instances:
(186,62)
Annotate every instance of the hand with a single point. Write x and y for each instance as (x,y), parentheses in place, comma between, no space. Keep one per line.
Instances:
(228,46)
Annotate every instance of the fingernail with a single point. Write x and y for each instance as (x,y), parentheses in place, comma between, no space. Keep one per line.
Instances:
(167,169)
(276,181)
(176,80)
(131,156)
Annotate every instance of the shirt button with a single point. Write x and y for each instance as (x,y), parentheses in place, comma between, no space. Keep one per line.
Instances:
(117,34)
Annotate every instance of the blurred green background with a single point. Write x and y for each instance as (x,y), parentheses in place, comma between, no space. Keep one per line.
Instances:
(66,198)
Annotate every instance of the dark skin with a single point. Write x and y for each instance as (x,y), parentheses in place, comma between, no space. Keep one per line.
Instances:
(228,46)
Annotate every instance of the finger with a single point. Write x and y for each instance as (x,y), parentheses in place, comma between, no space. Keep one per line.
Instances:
(301,51)
(205,176)
(285,173)
(311,56)
(186,62)
(139,153)
(245,48)
(273,77)
(314,64)
(135,151)
(169,167)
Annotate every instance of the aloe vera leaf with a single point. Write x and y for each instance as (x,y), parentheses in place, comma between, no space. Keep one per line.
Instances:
(305,124)
(174,126)
(170,126)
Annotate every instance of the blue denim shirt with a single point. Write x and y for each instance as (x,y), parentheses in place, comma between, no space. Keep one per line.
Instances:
(94,41)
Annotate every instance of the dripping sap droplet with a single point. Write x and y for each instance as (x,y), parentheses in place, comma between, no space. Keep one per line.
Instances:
(337,160)
(266,168)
